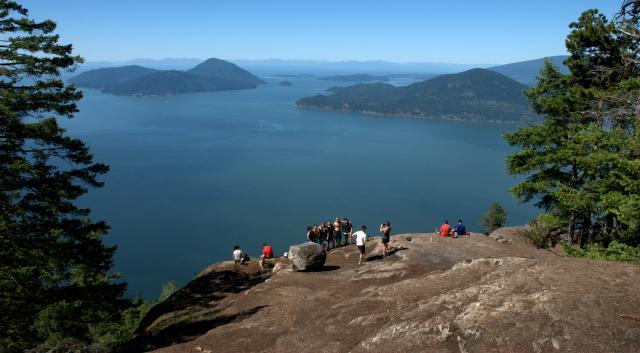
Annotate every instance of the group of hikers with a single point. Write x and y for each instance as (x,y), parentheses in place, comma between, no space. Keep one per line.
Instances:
(331,235)
(340,232)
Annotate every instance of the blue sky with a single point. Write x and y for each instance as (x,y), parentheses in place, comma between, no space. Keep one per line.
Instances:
(461,31)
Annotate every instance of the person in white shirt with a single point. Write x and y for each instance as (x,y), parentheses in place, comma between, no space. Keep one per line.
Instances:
(361,239)
(238,254)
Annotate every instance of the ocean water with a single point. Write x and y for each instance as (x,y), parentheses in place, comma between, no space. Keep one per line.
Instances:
(194,174)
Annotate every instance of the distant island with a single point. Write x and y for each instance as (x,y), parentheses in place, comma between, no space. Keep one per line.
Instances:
(355,78)
(526,71)
(285,83)
(476,94)
(294,75)
(211,75)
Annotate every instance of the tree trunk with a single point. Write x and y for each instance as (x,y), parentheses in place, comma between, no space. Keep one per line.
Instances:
(572,228)
(584,233)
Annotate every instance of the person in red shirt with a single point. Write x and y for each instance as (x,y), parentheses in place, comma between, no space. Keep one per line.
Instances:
(445,229)
(267,253)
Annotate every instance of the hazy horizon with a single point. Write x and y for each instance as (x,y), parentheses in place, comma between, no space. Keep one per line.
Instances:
(310,60)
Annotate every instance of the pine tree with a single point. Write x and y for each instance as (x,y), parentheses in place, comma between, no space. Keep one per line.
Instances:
(494,218)
(54,267)
(581,163)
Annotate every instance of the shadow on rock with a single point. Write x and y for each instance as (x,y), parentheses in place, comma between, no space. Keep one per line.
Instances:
(391,252)
(324,268)
(193,310)
(184,331)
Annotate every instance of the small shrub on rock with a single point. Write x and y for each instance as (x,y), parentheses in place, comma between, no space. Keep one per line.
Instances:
(537,234)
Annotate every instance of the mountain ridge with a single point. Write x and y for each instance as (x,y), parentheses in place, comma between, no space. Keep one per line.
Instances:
(210,75)
(526,71)
(476,94)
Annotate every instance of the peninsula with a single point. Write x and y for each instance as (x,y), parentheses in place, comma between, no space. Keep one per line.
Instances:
(476,94)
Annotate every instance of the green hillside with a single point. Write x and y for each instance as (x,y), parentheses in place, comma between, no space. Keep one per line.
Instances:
(101,78)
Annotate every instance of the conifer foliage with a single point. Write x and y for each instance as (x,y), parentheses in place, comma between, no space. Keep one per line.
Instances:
(54,268)
(582,162)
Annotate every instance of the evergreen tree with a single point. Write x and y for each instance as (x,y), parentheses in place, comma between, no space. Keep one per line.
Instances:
(581,161)
(54,268)
(494,218)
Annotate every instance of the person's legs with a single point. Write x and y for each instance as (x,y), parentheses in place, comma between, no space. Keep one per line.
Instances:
(361,249)
(261,262)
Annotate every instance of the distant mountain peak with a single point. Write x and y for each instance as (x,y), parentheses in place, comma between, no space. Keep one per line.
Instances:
(210,75)
(214,67)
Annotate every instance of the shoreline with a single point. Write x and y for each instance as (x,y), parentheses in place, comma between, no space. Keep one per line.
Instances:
(414,116)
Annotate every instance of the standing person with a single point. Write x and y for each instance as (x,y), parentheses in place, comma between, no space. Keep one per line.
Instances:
(267,253)
(460,230)
(361,239)
(324,236)
(316,231)
(445,229)
(238,254)
(328,235)
(385,228)
(337,231)
(347,231)
(311,235)
(320,234)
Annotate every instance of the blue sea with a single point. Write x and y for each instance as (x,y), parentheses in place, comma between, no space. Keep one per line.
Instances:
(194,174)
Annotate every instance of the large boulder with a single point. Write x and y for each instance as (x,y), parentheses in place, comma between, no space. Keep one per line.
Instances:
(307,256)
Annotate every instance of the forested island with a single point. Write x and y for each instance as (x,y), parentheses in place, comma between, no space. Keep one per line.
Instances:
(476,94)
(211,75)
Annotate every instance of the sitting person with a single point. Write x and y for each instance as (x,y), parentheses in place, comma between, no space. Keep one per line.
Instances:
(238,254)
(445,229)
(267,253)
(460,229)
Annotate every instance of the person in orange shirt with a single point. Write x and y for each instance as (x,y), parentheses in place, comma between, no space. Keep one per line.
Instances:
(445,229)
(267,253)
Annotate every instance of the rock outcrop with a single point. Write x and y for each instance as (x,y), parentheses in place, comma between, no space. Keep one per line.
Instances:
(432,294)
(307,256)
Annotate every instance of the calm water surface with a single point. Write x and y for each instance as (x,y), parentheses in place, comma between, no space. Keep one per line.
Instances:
(192,175)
